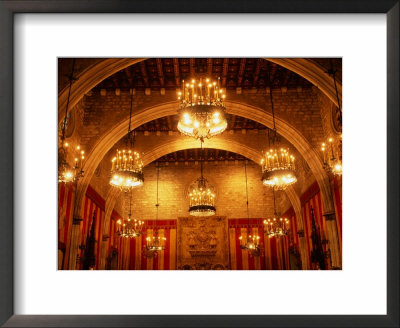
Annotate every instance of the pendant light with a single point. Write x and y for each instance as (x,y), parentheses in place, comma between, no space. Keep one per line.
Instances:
(277,163)
(252,241)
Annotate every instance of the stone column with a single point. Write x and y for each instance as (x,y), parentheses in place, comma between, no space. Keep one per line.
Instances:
(103,252)
(74,243)
(333,238)
(303,249)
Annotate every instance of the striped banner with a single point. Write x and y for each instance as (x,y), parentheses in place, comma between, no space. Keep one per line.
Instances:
(66,196)
(131,249)
(92,206)
(275,251)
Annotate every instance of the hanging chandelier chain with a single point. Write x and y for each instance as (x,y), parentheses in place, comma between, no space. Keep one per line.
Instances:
(158,175)
(247,195)
(272,101)
(71,79)
(273,191)
(202,158)
(131,139)
(130,204)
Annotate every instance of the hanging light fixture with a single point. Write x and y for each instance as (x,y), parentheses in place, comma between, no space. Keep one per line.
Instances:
(155,243)
(129,228)
(202,109)
(127,166)
(277,226)
(277,164)
(332,162)
(201,194)
(252,241)
(66,172)
(332,150)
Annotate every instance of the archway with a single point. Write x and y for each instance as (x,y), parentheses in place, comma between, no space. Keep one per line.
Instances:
(167,147)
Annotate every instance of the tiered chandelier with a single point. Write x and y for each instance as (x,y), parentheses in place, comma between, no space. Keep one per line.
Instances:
(201,195)
(278,164)
(252,241)
(66,172)
(155,243)
(276,227)
(130,228)
(127,166)
(202,109)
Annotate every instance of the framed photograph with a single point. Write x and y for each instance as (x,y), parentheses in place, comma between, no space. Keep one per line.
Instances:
(222,164)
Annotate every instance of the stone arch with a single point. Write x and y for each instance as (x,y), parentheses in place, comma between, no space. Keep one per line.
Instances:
(106,142)
(188,143)
(98,72)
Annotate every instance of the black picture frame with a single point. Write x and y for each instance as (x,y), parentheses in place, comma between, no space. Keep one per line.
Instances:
(7,11)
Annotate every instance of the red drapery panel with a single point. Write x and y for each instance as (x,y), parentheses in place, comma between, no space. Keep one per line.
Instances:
(66,197)
(131,256)
(275,254)
(93,207)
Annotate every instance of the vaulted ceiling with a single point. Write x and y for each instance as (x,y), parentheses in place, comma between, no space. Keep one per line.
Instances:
(168,73)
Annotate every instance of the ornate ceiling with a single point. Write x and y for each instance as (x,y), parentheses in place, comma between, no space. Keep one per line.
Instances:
(168,73)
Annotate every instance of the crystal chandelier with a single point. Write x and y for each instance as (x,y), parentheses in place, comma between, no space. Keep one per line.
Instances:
(130,228)
(155,243)
(66,172)
(201,195)
(277,164)
(332,162)
(202,109)
(252,241)
(276,227)
(127,166)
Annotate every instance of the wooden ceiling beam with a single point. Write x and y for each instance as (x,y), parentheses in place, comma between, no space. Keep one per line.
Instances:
(241,71)
(144,73)
(209,67)
(128,74)
(192,67)
(225,71)
(257,71)
(160,71)
(177,72)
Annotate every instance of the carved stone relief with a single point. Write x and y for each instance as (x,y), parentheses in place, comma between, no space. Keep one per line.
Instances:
(202,243)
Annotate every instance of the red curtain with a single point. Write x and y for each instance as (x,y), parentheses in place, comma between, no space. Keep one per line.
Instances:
(131,255)
(66,197)
(274,254)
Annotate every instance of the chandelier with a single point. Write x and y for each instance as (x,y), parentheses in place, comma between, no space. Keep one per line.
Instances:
(277,164)
(126,166)
(332,157)
(201,195)
(332,162)
(155,243)
(276,227)
(202,109)
(130,228)
(66,172)
(252,241)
